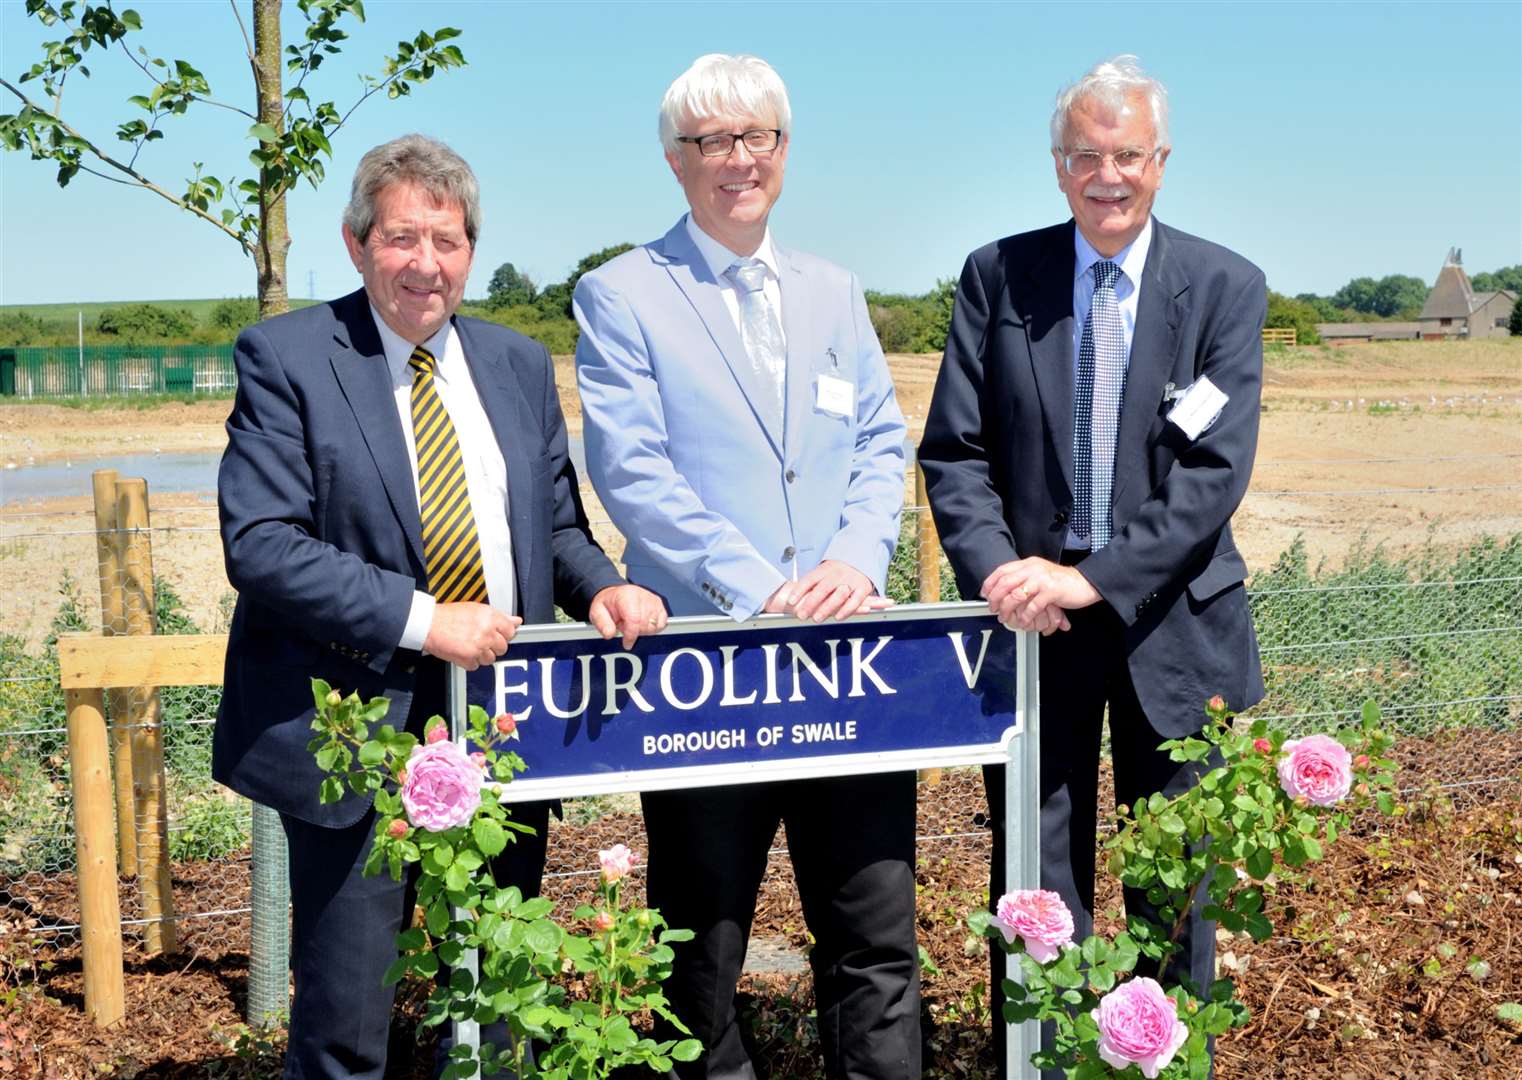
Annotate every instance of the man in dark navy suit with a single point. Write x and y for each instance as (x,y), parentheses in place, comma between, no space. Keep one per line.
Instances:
(1092,431)
(396,493)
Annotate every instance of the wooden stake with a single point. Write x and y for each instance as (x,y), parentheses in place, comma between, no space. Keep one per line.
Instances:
(136,556)
(113,620)
(99,904)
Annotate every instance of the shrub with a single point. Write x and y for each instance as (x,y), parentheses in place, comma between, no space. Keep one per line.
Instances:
(140,323)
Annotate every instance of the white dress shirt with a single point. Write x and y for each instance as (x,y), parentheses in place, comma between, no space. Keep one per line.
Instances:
(719,259)
(1131,259)
(485,469)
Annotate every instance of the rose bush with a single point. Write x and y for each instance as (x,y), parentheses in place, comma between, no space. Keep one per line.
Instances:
(430,815)
(1266,809)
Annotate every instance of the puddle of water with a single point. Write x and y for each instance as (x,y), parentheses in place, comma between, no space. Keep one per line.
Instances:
(194,472)
(164,472)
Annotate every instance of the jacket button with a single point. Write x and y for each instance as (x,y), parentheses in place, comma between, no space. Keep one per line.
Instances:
(788,553)
(409,669)
(790,476)
(1060,517)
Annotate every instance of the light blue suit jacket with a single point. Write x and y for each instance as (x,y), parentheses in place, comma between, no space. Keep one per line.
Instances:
(719,508)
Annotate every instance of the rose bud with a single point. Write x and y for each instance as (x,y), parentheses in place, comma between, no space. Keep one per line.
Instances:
(397,829)
(401,775)
(479,758)
(604,921)
(1217,704)
(1361,761)
(1362,789)
(1263,746)
(506,725)
(335,699)
(437,733)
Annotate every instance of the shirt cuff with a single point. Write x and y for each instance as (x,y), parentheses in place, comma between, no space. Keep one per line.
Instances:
(419,621)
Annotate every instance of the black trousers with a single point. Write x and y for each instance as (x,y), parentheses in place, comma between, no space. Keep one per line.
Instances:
(1083,670)
(852,845)
(343,938)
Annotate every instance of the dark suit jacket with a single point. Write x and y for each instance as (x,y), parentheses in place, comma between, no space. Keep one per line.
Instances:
(322,538)
(998,452)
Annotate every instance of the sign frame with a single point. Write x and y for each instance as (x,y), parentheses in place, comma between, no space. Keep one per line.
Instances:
(1018,752)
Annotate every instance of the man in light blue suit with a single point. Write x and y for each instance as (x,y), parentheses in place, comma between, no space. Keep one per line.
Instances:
(743,434)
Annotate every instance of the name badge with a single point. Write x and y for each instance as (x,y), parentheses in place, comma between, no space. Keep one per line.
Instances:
(1198,407)
(834,395)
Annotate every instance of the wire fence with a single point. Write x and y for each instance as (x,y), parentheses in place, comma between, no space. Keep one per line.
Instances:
(1433,636)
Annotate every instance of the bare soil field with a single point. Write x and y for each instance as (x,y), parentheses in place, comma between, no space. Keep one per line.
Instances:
(1400,444)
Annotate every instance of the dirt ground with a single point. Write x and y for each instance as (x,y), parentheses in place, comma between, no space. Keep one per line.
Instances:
(1401,443)
(1388,963)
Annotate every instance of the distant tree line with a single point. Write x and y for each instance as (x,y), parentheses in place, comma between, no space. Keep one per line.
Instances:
(905,323)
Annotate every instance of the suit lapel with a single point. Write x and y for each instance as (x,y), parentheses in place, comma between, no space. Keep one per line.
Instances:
(502,398)
(1049,332)
(359,363)
(797,327)
(689,270)
(1159,313)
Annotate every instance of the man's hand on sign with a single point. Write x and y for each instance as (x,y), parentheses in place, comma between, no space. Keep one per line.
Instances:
(469,634)
(627,611)
(832,589)
(1036,594)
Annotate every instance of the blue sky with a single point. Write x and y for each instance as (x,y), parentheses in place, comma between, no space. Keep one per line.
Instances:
(1322,141)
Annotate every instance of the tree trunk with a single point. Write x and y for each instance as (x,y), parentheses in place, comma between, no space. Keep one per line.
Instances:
(274,237)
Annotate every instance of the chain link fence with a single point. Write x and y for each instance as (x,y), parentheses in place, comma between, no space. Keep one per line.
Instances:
(1433,636)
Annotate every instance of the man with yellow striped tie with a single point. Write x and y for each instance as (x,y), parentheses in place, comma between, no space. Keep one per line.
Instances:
(396,493)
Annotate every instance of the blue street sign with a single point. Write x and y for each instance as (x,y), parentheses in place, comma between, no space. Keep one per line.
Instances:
(709,701)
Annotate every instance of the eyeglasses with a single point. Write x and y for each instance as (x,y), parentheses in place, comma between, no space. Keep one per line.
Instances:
(1130,161)
(757,141)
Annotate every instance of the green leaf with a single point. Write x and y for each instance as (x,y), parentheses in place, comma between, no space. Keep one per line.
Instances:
(456,878)
(543,936)
(437,918)
(371,753)
(1510,1012)
(131,19)
(1260,862)
(264,133)
(687,1050)
(331,791)
(490,837)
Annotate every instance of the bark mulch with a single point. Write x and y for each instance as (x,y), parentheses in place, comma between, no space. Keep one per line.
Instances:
(1390,963)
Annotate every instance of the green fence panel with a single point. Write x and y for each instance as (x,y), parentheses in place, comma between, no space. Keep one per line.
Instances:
(113,370)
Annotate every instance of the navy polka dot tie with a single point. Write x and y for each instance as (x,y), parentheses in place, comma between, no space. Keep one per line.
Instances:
(1096,420)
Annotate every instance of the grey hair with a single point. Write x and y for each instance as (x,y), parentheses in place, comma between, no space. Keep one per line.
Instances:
(1111,82)
(413,159)
(720,83)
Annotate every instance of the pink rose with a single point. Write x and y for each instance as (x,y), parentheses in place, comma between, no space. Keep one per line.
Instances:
(1041,919)
(397,829)
(604,921)
(1317,768)
(616,862)
(437,733)
(479,758)
(1361,761)
(506,724)
(1262,746)
(1139,1025)
(443,787)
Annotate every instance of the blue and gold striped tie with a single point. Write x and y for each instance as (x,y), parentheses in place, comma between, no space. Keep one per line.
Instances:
(451,548)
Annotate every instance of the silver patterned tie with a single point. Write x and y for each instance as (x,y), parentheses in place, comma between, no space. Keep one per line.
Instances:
(760,331)
(1096,421)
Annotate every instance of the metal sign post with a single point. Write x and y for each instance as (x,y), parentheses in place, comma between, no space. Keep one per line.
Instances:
(1022,836)
(709,701)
